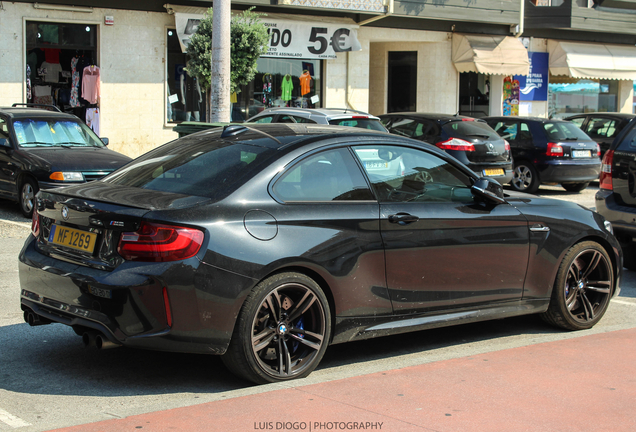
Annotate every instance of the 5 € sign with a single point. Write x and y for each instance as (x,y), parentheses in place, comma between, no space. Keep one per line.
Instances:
(293,39)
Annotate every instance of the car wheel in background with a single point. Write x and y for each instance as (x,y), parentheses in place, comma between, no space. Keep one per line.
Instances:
(525,178)
(27,191)
(575,187)
(582,289)
(282,332)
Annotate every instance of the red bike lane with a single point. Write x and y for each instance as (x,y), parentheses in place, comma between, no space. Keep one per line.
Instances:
(585,383)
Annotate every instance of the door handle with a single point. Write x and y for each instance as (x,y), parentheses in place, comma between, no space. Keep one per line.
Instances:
(403,218)
(539,228)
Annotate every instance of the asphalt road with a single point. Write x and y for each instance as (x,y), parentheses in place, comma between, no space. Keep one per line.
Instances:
(49,380)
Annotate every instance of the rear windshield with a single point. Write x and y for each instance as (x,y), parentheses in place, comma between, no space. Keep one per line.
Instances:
(564,131)
(54,133)
(193,166)
(470,129)
(364,123)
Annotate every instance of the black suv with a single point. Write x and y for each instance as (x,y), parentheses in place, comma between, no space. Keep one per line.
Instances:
(467,139)
(548,151)
(616,198)
(42,149)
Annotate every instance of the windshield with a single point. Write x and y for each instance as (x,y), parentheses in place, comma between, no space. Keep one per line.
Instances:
(364,123)
(54,133)
(564,131)
(470,129)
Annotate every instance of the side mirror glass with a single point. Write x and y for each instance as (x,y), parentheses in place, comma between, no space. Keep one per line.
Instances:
(4,142)
(488,189)
(104,140)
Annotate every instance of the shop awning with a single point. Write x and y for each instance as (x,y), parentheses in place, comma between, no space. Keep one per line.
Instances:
(498,55)
(585,60)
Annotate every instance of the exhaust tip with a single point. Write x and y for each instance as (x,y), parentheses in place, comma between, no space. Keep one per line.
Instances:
(88,339)
(103,343)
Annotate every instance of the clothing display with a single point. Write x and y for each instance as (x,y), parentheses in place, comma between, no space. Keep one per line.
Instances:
(286,86)
(267,90)
(74,102)
(90,84)
(305,83)
(28,82)
(51,72)
(92,119)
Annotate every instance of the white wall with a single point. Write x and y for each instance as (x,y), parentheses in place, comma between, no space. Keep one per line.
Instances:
(132,64)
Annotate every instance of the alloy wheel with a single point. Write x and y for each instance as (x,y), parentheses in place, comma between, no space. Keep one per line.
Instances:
(588,286)
(288,331)
(522,178)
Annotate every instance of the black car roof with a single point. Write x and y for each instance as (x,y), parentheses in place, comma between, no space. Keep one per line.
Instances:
(279,135)
(428,116)
(530,119)
(28,112)
(608,114)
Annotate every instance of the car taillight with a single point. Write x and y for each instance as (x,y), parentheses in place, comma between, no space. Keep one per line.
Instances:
(159,243)
(35,223)
(605,180)
(359,117)
(554,150)
(598,150)
(506,145)
(456,144)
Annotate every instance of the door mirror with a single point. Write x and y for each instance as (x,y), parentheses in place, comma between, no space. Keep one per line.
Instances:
(488,189)
(104,140)
(4,142)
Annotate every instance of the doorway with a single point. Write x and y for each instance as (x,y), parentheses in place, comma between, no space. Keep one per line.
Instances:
(402,85)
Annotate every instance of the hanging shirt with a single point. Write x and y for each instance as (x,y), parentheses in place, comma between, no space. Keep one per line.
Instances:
(92,119)
(74,102)
(52,72)
(287,86)
(305,83)
(90,84)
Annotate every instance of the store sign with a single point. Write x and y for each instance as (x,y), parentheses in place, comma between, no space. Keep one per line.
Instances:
(288,39)
(534,86)
(363,6)
(308,40)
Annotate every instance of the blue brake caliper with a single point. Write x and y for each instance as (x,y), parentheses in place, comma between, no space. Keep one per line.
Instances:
(299,325)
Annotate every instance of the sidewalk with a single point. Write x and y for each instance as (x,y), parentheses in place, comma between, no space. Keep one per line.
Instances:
(580,384)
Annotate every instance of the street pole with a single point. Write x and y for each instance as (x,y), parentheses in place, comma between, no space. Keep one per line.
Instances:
(220,79)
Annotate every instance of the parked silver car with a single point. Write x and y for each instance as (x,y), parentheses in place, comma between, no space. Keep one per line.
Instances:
(332,116)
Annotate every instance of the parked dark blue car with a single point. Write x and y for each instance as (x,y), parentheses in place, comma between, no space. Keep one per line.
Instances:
(548,151)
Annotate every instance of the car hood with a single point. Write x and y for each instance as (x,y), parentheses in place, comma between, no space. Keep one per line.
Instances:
(78,159)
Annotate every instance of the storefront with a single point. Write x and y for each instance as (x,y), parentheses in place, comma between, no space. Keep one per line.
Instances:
(61,68)
(590,78)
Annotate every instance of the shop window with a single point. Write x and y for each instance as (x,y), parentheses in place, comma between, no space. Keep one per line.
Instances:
(58,56)
(568,96)
(185,99)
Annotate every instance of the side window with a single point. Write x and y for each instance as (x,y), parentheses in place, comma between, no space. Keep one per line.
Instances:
(285,119)
(302,120)
(422,130)
(601,128)
(405,127)
(628,143)
(524,132)
(4,133)
(266,119)
(402,174)
(332,175)
(507,130)
(578,121)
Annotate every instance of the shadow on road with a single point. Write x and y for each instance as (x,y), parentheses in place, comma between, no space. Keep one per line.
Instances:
(51,360)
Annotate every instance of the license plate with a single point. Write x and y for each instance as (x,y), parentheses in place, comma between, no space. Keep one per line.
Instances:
(99,292)
(376,165)
(581,153)
(72,238)
(493,171)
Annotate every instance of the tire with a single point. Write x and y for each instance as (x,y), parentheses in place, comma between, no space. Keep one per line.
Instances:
(582,289)
(525,178)
(575,187)
(282,331)
(26,195)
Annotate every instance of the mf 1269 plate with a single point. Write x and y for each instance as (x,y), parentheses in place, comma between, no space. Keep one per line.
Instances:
(72,238)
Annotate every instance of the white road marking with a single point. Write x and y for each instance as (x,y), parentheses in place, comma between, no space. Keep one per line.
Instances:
(11,420)
(624,302)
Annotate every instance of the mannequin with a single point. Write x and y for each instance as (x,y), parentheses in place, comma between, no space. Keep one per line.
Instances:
(190,96)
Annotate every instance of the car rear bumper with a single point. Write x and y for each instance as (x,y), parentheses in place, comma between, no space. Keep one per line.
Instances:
(623,218)
(480,170)
(135,314)
(569,171)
